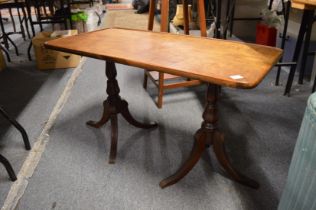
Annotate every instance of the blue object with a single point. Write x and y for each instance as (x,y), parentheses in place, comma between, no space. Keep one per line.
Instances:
(300,188)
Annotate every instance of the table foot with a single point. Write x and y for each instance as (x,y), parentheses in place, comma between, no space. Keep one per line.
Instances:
(220,152)
(208,135)
(197,150)
(114,136)
(131,120)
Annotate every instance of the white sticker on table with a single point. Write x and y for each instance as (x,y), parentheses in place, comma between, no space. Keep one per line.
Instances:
(237,76)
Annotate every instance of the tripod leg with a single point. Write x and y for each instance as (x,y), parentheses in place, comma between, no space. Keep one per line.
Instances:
(197,150)
(114,136)
(129,118)
(105,116)
(219,149)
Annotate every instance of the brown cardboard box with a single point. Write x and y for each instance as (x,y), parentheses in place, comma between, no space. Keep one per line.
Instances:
(51,59)
(2,61)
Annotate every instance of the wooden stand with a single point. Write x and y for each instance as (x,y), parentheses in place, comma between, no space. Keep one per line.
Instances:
(208,134)
(113,106)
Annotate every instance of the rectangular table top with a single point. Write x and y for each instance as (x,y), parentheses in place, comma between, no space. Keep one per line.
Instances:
(216,61)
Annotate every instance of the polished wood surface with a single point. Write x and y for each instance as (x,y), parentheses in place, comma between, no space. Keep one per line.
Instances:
(220,62)
(304,4)
(307,2)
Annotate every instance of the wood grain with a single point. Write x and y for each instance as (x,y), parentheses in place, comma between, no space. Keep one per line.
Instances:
(210,60)
(304,4)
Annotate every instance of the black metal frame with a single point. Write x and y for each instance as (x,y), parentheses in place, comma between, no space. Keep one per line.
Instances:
(8,167)
(286,13)
(230,17)
(6,35)
(230,13)
(305,31)
(27,144)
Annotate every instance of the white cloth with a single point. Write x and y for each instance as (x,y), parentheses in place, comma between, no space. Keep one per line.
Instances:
(276,5)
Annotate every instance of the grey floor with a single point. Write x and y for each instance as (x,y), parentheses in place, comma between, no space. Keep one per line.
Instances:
(28,95)
(260,126)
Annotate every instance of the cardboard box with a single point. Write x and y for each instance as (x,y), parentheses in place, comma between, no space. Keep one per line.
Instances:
(2,61)
(51,59)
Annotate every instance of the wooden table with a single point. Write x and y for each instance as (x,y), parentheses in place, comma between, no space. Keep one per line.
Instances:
(217,62)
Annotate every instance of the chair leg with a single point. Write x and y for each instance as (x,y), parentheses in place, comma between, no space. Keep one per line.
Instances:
(201,11)
(186,17)
(228,13)
(152,5)
(29,51)
(12,19)
(231,24)
(8,167)
(305,50)
(286,9)
(145,80)
(314,85)
(25,20)
(160,90)
(21,24)
(5,52)
(164,22)
(307,14)
(18,127)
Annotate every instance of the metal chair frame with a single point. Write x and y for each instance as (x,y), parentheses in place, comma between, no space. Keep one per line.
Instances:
(27,144)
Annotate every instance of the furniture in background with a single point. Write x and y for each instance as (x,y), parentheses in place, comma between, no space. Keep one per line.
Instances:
(307,21)
(230,18)
(216,62)
(27,145)
(90,2)
(48,12)
(5,52)
(8,167)
(286,14)
(300,188)
(22,16)
(159,78)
